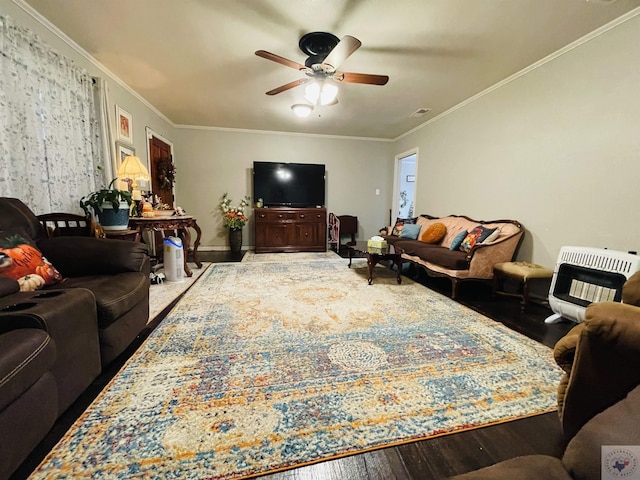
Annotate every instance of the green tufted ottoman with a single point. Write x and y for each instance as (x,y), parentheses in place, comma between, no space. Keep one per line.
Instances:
(524,273)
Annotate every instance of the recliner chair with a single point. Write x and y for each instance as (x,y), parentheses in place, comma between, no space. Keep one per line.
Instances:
(598,398)
(115,271)
(54,341)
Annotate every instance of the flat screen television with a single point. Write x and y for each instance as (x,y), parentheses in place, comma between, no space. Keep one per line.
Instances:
(289,184)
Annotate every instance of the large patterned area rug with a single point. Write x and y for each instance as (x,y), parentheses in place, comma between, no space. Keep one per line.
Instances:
(266,366)
(162,295)
(253,257)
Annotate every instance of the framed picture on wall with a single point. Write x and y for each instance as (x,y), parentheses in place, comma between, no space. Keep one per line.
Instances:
(123,151)
(124,125)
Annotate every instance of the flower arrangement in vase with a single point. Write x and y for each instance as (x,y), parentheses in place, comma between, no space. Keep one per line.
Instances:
(234,219)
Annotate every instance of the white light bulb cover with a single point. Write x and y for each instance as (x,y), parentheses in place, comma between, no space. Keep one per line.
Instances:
(312,92)
(328,94)
(302,110)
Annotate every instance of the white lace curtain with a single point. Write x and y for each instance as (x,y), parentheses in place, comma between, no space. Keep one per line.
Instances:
(50,145)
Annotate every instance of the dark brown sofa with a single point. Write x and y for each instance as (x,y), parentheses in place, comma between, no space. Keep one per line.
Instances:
(598,399)
(54,341)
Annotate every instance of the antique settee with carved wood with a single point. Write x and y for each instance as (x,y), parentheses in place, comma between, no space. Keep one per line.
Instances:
(440,256)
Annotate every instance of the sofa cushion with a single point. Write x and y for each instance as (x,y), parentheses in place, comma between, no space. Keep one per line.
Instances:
(617,425)
(434,233)
(22,261)
(115,294)
(475,236)
(457,240)
(442,256)
(26,354)
(493,236)
(400,222)
(410,230)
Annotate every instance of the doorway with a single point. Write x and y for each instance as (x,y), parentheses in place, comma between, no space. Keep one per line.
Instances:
(161,168)
(406,168)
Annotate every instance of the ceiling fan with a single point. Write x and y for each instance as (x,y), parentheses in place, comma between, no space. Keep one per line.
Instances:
(326,53)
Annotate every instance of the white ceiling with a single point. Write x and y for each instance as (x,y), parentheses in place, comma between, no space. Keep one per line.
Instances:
(194,60)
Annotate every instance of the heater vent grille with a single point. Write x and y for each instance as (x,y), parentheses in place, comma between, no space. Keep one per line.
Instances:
(605,260)
(585,275)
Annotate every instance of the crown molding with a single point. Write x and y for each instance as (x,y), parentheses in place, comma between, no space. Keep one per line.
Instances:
(581,41)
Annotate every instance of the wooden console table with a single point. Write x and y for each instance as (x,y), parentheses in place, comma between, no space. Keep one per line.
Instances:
(285,229)
(180,224)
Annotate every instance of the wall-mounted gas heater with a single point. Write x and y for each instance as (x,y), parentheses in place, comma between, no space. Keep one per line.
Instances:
(584,275)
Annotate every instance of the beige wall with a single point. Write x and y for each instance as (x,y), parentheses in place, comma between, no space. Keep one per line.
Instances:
(212,162)
(557,149)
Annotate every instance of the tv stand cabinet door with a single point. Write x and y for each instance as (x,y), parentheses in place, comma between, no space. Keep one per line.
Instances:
(310,230)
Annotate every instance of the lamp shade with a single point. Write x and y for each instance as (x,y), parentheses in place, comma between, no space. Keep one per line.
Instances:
(133,168)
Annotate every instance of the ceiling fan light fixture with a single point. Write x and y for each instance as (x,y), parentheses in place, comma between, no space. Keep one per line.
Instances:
(302,110)
(325,92)
(312,92)
(328,93)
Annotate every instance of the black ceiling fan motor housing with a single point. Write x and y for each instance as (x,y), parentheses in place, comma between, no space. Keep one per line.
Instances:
(317,45)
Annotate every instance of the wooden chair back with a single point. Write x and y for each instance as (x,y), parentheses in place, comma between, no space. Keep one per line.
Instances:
(66,225)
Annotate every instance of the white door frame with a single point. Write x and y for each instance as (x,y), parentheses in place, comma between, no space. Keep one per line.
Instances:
(396,181)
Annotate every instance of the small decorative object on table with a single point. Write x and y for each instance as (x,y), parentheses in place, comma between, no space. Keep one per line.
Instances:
(234,219)
(147,210)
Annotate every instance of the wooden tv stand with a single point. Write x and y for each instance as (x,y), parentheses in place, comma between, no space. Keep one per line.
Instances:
(285,229)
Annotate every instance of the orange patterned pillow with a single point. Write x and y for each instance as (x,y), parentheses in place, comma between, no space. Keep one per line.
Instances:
(434,233)
(23,262)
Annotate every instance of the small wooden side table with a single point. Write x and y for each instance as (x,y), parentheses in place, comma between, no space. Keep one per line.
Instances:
(375,255)
(178,223)
(129,234)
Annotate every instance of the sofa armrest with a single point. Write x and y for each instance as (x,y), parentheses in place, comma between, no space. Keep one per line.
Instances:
(564,350)
(14,321)
(564,353)
(485,256)
(606,365)
(80,256)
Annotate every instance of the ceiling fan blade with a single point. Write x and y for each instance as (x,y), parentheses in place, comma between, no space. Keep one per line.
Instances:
(288,86)
(281,60)
(367,78)
(342,51)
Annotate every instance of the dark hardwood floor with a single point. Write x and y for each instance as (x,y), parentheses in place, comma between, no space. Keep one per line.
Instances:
(435,458)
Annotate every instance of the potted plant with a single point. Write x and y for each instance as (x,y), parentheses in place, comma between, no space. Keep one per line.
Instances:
(110,205)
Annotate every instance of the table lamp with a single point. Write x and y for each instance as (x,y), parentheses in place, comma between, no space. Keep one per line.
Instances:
(134,170)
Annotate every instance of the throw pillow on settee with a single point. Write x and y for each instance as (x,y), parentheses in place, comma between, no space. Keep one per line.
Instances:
(400,223)
(410,230)
(434,233)
(475,236)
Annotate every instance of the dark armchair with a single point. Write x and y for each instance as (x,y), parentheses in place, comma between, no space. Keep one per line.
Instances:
(54,341)
(116,272)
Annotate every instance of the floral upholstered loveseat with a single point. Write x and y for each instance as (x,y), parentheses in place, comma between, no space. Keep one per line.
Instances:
(450,253)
